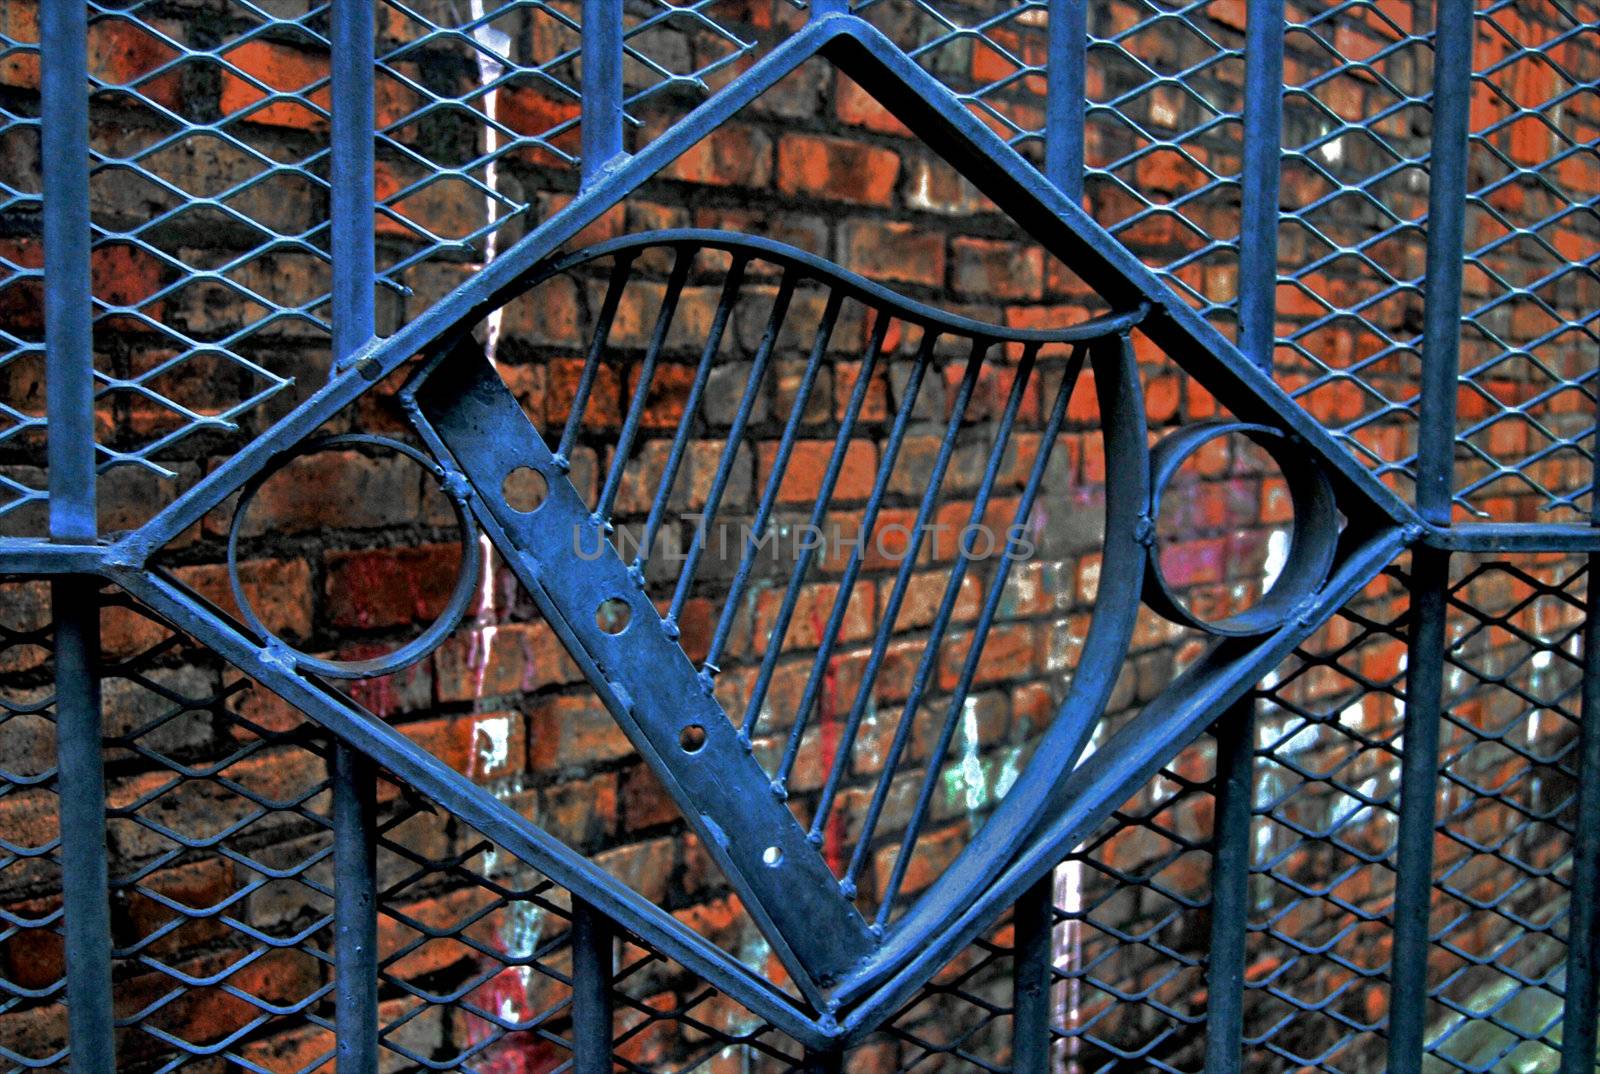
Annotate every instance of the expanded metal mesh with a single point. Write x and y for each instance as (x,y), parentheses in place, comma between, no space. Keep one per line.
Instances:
(210,135)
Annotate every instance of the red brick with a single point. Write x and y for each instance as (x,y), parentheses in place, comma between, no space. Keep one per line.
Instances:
(387,587)
(857,108)
(734,155)
(645,867)
(995,269)
(19,21)
(808,464)
(496,660)
(333,490)
(278,590)
(281,69)
(572,731)
(483,746)
(836,170)
(123,275)
(645,803)
(120,52)
(809,619)
(893,252)
(534,111)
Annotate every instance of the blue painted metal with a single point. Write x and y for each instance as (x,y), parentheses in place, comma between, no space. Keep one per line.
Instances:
(1447,214)
(1430,568)
(592,983)
(1067,95)
(353,812)
(602,93)
(1260,179)
(69,386)
(1235,731)
(1033,920)
(351,182)
(353,809)
(69,378)
(641,674)
(85,889)
(1581,1018)
(851,973)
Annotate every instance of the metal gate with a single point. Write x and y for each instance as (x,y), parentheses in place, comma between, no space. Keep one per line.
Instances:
(1090,808)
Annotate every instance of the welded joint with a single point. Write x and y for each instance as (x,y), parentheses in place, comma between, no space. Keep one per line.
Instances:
(362,360)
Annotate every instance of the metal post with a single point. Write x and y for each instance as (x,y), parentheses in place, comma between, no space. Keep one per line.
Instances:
(1419,776)
(1033,925)
(1578,1018)
(353,217)
(355,912)
(1236,730)
(353,808)
(1065,89)
(592,970)
(1259,180)
(69,351)
(1447,210)
(69,387)
(601,87)
(1230,889)
(1578,1036)
(81,783)
(1033,915)
(1430,574)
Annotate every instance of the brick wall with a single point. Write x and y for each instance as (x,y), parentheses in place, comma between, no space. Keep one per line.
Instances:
(349,552)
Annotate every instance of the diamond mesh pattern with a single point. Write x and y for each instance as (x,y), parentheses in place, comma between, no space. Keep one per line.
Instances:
(1130,913)
(1162,141)
(1327,772)
(1529,339)
(21,291)
(474,962)
(1355,140)
(992,57)
(32,972)
(1507,798)
(220,851)
(464,91)
(204,275)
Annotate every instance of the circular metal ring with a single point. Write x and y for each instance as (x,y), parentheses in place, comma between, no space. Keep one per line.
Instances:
(1311,544)
(417,648)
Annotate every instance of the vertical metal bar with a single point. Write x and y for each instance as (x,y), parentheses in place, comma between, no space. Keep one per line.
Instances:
(351,175)
(1066,93)
(1260,177)
(1066,74)
(355,911)
(1066,90)
(592,969)
(1447,210)
(1259,180)
(1583,930)
(1578,1017)
(69,398)
(601,88)
(69,352)
(81,783)
(353,808)
(1230,889)
(1430,574)
(1033,924)
(1419,775)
